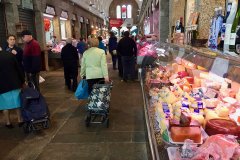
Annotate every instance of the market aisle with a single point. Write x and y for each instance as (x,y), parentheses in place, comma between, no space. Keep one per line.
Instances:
(69,139)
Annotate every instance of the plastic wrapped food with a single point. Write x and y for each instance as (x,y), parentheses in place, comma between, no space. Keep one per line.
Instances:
(220,147)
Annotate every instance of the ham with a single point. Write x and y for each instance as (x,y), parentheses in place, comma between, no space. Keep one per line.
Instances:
(220,147)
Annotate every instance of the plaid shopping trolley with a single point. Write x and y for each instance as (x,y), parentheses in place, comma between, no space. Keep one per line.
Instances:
(98,104)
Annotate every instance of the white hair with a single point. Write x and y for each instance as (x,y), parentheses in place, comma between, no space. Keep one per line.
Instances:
(69,41)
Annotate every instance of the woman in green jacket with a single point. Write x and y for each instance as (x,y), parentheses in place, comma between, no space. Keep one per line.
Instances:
(94,65)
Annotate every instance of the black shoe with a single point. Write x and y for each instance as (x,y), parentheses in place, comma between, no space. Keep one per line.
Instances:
(20,124)
(9,126)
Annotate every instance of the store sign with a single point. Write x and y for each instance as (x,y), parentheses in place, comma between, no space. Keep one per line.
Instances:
(128,22)
(50,10)
(64,14)
(81,19)
(27,4)
(87,21)
(114,22)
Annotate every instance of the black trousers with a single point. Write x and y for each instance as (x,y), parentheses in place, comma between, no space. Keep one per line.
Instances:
(128,63)
(91,82)
(120,67)
(33,78)
(114,60)
(70,75)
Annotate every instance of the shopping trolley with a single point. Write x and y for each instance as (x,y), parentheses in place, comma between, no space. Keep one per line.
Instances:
(98,104)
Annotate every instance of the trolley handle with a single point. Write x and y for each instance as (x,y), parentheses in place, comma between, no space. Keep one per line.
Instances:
(100,82)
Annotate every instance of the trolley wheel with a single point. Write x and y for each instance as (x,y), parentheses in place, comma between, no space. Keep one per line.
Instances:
(87,120)
(47,124)
(107,122)
(27,128)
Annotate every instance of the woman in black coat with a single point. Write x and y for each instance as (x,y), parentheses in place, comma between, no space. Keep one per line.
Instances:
(15,50)
(11,82)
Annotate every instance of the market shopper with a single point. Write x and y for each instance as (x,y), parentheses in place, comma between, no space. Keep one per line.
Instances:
(128,51)
(101,44)
(112,44)
(81,47)
(12,80)
(15,50)
(94,65)
(31,58)
(69,56)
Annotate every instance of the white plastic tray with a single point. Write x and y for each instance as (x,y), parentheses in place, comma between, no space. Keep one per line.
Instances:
(172,152)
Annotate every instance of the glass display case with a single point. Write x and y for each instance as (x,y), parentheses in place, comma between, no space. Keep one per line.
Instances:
(176,84)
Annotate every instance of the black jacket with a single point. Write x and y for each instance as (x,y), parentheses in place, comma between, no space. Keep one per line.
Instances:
(127,47)
(69,55)
(19,55)
(10,73)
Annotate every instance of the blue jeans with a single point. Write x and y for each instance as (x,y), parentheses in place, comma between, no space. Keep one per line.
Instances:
(128,63)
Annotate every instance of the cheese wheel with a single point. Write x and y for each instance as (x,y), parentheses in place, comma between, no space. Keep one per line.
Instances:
(222,111)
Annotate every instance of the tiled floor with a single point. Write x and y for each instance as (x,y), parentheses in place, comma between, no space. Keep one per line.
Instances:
(69,139)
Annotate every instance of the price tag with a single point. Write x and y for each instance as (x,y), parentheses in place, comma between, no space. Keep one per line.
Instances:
(220,66)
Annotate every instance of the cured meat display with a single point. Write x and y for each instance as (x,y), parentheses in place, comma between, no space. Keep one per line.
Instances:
(190,103)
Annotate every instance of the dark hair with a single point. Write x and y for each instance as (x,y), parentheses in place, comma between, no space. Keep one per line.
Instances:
(81,39)
(26,32)
(100,39)
(11,35)
(126,34)
(112,34)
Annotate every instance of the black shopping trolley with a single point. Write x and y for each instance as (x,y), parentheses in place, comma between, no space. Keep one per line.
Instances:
(98,104)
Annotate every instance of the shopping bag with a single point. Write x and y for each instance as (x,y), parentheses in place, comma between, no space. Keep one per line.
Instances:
(41,79)
(82,90)
(114,52)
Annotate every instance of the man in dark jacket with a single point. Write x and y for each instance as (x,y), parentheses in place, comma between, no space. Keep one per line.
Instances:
(70,59)
(128,50)
(112,44)
(31,58)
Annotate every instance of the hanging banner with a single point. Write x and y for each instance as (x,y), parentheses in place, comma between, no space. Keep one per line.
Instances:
(64,14)
(114,22)
(27,4)
(81,19)
(50,10)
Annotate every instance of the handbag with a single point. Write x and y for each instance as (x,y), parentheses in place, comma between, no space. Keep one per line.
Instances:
(82,90)
(114,52)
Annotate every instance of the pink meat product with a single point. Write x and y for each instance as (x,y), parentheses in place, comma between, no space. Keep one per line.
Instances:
(220,147)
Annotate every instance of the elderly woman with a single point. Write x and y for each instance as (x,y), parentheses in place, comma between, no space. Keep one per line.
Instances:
(94,65)
(12,80)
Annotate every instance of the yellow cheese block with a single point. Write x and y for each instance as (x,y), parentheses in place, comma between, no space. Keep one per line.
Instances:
(198,117)
(222,111)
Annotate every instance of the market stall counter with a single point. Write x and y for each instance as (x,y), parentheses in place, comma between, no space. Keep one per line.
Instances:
(54,55)
(192,103)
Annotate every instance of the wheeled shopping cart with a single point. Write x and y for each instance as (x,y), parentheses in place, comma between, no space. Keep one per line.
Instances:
(99,104)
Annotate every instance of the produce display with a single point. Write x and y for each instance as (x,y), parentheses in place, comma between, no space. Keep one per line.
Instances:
(191,104)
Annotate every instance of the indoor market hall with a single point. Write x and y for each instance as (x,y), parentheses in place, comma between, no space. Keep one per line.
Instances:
(119,79)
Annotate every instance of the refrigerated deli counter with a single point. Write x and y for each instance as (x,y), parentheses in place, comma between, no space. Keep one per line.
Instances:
(192,103)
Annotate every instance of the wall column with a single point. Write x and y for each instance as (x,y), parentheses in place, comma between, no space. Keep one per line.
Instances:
(12,17)
(164,20)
